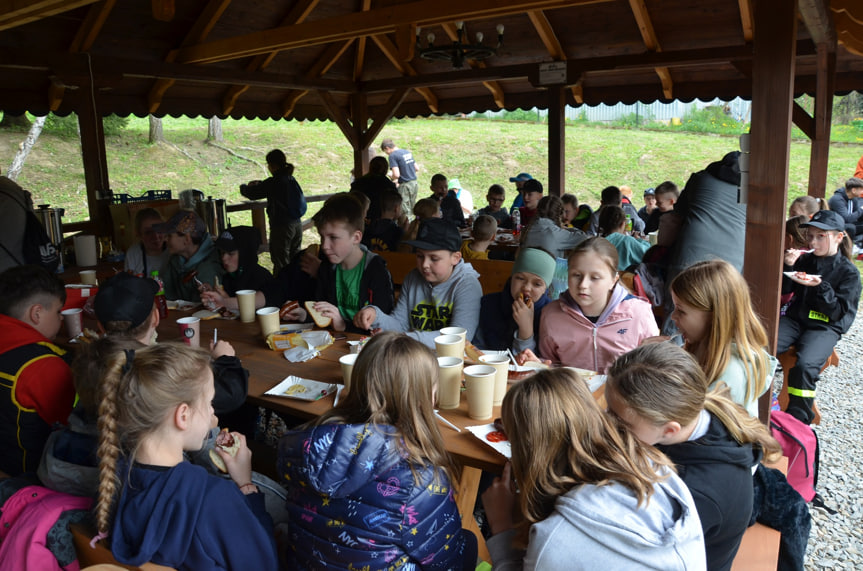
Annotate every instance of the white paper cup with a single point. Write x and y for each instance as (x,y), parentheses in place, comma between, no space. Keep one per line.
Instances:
(653,237)
(347,364)
(88,277)
(449,346)
(501,369)
(246,301)
(460,331)
(73,317)
(268,318)
(479,384)
(449,382)
(190,330)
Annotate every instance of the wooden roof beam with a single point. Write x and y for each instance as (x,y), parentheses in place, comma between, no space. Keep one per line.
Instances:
(645,25)
(92,26)
(392,53)
(818,20)
(197,33)
(667,83)
(745,7)
(360,56)
(546,34)
(14,13)
(493,86)
(375,22)
(330,56)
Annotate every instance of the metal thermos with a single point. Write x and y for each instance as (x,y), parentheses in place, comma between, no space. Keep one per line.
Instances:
(52,221)
(215,214)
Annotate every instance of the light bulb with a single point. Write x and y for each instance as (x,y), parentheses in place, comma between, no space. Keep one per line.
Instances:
(479,37)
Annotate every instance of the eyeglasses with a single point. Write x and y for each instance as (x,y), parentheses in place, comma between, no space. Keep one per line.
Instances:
(495,200)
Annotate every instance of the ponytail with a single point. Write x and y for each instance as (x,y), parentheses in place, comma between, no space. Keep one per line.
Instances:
(745,429)
(846,247)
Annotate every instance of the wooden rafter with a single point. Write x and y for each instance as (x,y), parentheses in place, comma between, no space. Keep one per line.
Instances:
(197,33)
(578,92)
(745,7)
(360,56)
(851,7)
(818,20)
(493,86)
(849,30)
(375,22)
(93,23)
(651,42)
(546,34)
(667,83)
(14,13)
(391,52)
(330,56)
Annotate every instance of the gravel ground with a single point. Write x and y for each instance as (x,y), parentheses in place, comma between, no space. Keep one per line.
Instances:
(836,541)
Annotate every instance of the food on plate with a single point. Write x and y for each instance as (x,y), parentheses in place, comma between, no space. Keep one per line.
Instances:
(87,335)
(496,436)
(525,370)
(226,441)
(320,319)
(287,307)
(472,352)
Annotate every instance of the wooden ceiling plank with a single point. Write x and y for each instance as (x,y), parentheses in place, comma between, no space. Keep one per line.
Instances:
(546,34)
(163,10)
(818,20)
(92,26)
(667,83)
(373,22)
(645,25)
(745,7)
(14,13)
(391,52)
(318,69)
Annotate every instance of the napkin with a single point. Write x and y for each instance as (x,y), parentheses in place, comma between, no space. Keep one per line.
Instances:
(300,354)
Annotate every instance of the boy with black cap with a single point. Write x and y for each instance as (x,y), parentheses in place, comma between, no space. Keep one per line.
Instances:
(826,288)
(238,249)
(36,390)
(443,290)
(193,255)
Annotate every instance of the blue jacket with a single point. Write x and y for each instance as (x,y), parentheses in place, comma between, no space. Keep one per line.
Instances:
(354,502)
(185,518)
(497,328)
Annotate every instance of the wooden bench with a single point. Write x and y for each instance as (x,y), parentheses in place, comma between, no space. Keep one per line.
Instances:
(100,554)
(788,359)
(759,548)
(492,273)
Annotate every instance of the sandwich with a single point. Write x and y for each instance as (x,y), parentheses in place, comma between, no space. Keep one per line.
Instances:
(226,441)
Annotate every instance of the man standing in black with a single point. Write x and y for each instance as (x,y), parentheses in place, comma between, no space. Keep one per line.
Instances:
(286,206)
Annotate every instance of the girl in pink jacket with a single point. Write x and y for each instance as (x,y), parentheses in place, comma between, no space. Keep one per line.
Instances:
(596,320)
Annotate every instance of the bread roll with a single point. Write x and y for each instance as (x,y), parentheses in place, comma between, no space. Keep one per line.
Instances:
(320,320)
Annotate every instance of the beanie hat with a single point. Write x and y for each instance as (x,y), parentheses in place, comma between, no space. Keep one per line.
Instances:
(537,262)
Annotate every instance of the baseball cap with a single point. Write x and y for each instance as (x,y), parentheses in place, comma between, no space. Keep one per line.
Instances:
(826,220)
(453,184)
(125,297)
(520,177)
(650,192)
(184,222)
(437,234)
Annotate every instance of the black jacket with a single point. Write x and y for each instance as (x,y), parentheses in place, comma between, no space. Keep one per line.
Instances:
(285,200)
(376,285)
(718,472)
(839,204)
(832,303)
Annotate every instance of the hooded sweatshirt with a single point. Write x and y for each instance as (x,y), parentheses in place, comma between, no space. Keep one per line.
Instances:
(423,309)
(545,234)
(36,391)
(566,336)
(185,518)
(354,503)
(718,472)
(602,527)
(205,262)
(250,274)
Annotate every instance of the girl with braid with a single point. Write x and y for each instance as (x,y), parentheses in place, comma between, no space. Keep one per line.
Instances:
(156,404)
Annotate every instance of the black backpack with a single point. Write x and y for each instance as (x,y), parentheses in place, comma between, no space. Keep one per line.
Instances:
(36,247)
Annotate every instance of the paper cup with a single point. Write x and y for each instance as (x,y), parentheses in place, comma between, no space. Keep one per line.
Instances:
(501,369)
(88,277)
(347,363)
(246,301)
(449,346)
(653,237)
(190,330)
(460,331)
(268,318)
(449,382)
(72,317)
(85,250)
(479,382)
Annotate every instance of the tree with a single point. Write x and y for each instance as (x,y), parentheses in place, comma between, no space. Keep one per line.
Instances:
(25,148)
(214,130)
(9,121)
(156,134)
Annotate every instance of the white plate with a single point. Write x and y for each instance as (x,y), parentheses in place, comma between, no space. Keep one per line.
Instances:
(803,281)
(482,432)
(303,389)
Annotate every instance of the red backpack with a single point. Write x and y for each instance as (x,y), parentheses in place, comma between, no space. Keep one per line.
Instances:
(800,444)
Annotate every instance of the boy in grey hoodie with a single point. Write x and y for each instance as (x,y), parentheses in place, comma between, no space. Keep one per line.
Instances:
(443,291)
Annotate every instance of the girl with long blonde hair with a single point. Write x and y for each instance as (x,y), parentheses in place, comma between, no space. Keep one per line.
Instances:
(592,496)
(156,403)
(713,311)
(370,480)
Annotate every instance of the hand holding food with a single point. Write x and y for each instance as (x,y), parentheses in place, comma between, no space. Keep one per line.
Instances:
(286,309)
(235,456)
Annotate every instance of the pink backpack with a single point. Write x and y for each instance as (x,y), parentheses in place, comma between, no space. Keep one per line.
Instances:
(800,444)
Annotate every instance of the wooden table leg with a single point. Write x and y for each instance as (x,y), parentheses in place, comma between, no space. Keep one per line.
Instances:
(466,491)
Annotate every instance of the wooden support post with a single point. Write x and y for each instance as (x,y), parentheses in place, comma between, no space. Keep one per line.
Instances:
(95,161)
(770,143)
(823,112)
(360,119)
(556,140)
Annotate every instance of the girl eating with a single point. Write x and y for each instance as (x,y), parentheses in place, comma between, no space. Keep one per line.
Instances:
(156,404)
(369,482)
(596,319)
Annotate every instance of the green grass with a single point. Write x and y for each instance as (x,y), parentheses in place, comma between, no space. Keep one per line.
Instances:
(478,152)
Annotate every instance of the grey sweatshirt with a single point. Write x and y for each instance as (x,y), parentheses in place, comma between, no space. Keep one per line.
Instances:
(600,527)
(422,309)
(556,240)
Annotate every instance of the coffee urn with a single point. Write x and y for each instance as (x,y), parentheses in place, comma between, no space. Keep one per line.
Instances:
(52,221)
